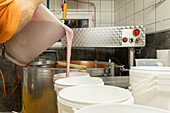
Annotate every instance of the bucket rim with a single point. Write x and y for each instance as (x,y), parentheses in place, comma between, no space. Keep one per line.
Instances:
(138,107)
(128,95)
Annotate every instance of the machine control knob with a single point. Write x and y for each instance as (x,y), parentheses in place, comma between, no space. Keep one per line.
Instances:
(131,40)
(138,39)
(136,32)
(125,39)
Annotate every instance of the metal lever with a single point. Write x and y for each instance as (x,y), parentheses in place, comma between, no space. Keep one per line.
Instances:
(111,66)
(52,51)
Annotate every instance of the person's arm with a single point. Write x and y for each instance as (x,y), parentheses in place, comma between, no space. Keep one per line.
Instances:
(28,8)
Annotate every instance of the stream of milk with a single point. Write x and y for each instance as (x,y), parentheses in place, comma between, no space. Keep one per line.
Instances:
(69,34)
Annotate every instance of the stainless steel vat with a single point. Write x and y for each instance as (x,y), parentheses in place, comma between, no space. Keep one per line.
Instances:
(38,89)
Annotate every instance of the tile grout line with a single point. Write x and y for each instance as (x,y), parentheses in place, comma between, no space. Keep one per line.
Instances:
(155,17)
(134,12)
(100,15)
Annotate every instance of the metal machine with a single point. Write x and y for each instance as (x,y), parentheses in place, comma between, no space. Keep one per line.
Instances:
(125,36)
(109,37)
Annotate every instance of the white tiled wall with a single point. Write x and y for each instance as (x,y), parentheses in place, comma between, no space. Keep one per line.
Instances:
(105,10)
(153,14)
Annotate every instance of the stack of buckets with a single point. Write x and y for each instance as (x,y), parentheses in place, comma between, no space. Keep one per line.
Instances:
(75,93)
(150,86)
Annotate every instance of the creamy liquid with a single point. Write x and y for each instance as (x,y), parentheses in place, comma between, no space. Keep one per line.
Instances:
(69,34)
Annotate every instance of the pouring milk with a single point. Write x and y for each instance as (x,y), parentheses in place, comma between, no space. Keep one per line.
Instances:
(38,35)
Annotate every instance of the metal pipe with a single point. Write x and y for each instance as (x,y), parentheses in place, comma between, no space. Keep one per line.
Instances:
(111,65)
(131,52)
(104,63)
(112,69)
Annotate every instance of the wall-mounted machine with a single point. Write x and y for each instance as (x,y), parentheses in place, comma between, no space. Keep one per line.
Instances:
(125,36)
(109,37)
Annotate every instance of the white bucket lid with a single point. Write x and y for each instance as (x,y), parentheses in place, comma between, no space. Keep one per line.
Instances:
(75,81)
(95,94)
(120,108)
(72,74)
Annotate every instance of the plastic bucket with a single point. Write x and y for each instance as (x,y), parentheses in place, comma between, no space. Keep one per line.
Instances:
(120,108)
(75,105)
(151,68)
(72,74)
(136,80)
(75,98)
(76,81)
(150,62)
(145,74)
(139,74)
(67,108)
(151,86)
(156,96)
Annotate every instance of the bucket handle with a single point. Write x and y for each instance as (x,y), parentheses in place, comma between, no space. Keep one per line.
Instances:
(140,88)
(146,91)
(143,82)
(75,110)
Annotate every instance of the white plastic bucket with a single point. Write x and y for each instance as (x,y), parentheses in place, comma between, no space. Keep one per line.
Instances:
(150,62)
(156,96)
(72,74)
(137,80)
(78,97)
(151,68)
(67,108)
(151,86)
(76,81)
(164,55)
(145,74)
(120,108)
(139,74)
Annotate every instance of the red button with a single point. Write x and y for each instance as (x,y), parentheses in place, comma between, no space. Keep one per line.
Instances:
(62,6)
(138,39)
(125,39)
(136,32)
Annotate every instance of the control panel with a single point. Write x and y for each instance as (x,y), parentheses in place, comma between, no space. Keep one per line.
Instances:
(121,36)
(133,37)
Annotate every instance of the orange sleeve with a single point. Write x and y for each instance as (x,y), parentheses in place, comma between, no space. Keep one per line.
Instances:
(10,13)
